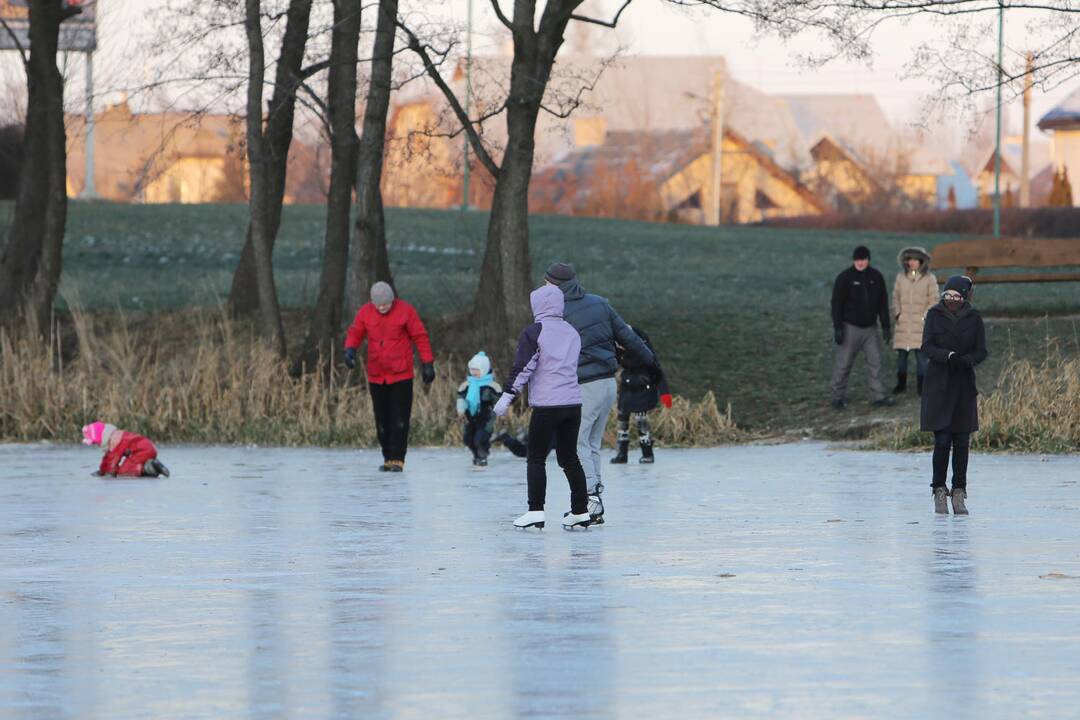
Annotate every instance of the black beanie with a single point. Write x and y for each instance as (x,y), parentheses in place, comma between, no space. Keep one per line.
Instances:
(961,284)
(861,253)
(558,273)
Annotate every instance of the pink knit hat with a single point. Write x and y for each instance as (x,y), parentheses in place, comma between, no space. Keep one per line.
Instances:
(93,433)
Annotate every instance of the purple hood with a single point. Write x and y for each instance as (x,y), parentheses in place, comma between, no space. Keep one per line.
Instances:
(547,303)
(547,354)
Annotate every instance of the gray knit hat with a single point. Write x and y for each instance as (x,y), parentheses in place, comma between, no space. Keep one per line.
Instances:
(382,293)
(558,273)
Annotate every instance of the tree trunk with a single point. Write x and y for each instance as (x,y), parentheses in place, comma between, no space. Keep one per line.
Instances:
(325,324)
(371,261)
(258,161)
(243,295)
(30,266)
(501,304)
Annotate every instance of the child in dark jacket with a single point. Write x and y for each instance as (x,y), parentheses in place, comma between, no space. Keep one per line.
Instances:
(476,400)
(546,361)
(641,388)
(127,454)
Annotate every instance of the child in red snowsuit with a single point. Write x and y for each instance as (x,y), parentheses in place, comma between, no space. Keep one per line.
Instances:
(127,454)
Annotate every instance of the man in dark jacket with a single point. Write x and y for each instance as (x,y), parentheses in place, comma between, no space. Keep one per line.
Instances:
(859,302)
(600,328)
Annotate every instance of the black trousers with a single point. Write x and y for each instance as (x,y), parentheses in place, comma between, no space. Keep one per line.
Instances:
(392,404)
(959,444)
(562,424)
(478,434)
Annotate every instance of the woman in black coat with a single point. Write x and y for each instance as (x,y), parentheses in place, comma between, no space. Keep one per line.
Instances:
(954,342)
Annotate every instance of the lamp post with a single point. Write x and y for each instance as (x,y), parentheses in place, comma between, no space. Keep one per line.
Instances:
(997,135)
(468,101)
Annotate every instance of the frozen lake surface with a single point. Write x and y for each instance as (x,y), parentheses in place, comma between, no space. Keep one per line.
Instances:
(791,581)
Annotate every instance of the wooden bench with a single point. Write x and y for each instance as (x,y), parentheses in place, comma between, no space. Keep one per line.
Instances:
(977,255)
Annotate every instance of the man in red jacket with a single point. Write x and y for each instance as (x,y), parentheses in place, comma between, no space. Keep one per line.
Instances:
(391,327)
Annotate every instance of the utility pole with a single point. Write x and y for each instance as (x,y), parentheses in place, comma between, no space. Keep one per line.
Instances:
(712,204)
(1025,160)
(468,100)
(89,191)
(997,138)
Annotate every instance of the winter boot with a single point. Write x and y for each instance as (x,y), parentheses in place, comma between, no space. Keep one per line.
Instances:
(394,466)
(570,521)
(958,497)
(646,453)
(531,519)
(918,384)
(941,503)
(155,468)
(622,447)
(478,461)
(901,383)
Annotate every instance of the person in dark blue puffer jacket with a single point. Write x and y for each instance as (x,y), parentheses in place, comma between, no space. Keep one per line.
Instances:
(600,328)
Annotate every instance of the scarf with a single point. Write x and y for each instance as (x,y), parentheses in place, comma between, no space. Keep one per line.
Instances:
(472,395)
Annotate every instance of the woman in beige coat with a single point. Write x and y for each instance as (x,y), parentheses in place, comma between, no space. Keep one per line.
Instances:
(914,292)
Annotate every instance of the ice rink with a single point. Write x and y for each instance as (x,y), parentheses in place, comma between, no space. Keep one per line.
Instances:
(789,581)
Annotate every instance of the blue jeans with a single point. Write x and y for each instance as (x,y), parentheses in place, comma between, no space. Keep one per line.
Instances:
(901,362)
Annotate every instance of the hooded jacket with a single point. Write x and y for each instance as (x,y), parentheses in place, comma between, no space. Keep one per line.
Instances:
(600,328)
(547,354)
(950,396)
(390,339)
(640,386)
(914,293)
(125,452)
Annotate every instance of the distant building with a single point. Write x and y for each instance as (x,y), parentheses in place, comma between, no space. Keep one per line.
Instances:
(175,157)
(982,170)
(666,175)
(1064,122)
(633,113)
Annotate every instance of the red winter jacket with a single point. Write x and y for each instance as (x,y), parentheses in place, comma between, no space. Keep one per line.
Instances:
(127,453)
(390,339)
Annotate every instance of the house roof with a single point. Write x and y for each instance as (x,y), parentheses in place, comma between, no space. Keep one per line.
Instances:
(657,156)
(1065,115)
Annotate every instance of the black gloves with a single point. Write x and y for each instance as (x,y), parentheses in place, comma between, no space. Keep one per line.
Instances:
(957,361)
(427,372)
(886,332)
(350,358)
(838,335)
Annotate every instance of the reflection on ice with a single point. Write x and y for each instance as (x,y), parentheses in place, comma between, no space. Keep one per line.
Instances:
(789,581)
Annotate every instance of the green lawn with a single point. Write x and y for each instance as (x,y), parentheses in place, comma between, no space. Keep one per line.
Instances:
(742,311)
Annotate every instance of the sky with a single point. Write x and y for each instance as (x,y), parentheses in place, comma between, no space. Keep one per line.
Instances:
(651,27)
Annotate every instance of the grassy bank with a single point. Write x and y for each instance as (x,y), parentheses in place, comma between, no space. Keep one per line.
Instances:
(1033,408)
(219,385)
(739,312)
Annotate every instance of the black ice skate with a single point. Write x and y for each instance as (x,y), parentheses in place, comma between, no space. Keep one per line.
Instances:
(621,450)
(155,468)
(596,507)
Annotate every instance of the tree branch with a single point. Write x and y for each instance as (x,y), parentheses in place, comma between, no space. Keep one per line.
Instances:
(18,44)
(614,21)
(433,72)
(501,15)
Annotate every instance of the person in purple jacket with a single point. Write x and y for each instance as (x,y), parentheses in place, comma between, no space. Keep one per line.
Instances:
(546,361)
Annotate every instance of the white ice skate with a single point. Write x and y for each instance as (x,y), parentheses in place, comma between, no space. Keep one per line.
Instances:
(596,509)
(531,519)
(571,521)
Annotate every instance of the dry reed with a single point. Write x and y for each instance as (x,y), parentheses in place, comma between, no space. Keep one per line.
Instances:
(1035,408)
(212,381)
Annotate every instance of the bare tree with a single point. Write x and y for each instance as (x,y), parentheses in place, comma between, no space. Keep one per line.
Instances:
(325,322)
(371,261)
(30,266)
(270,324)
(501,305)
(288,77)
